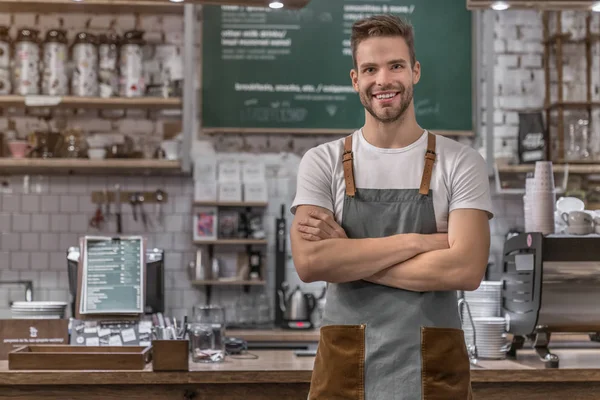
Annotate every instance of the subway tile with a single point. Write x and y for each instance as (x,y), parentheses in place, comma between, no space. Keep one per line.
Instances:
(48,280)
(58,295)
(182,241)
(21,222)
(50,203)
(173,260)
(67,240)
(86,205)
(4,261)
(63,280)
(30,241)
(40,260)
(69,204)
(30,203)
(59,184)
(5,225)
(11,203)
(8,275)
(173,223)
(59,223)
(164,241)
(40,223)
(58,260)
(19,261)
(49,242)
(183,204)
(78,223)
(10,241)
(77,185)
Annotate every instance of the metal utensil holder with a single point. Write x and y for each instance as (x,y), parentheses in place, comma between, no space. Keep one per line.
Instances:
(472,347)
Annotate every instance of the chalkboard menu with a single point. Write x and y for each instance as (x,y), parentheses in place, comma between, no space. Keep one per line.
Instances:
(113,275)
(290,69)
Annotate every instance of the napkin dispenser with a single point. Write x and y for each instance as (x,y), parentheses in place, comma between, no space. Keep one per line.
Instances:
(550,284)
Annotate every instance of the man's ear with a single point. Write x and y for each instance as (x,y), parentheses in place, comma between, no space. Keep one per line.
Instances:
(354,78)
(416,73)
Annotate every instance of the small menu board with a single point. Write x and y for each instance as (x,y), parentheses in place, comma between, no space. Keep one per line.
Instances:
(113,278)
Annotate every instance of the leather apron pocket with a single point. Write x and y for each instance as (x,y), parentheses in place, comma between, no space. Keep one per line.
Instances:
(445,369)
(338,372)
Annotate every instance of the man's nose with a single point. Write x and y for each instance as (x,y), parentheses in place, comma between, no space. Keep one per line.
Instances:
(384,77)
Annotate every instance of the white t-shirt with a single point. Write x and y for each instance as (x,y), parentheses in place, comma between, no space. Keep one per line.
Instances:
(459,178)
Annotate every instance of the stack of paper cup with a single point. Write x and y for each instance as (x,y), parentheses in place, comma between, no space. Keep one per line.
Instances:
(529,186)
(542,199)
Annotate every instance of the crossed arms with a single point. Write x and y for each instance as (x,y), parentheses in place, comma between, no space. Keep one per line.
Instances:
(456,261)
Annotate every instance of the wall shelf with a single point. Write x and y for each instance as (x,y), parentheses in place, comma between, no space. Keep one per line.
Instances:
(49,166)
(229,283)
(229,204)
(246,242)
(573,168)
(90,102)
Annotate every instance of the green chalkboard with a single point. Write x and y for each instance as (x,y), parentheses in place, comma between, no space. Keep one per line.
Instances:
(289,69)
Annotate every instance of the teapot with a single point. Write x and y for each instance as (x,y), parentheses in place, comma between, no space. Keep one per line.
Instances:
(296,306)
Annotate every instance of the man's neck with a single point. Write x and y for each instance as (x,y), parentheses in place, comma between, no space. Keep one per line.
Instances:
(393,135)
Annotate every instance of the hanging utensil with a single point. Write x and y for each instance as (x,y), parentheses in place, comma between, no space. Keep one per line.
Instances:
(133,200)
(160,199)
(118,209)
(97,220)
(140,202)
(107,214)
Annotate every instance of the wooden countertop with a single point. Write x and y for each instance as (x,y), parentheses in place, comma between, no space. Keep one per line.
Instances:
(282,366)
(275,335)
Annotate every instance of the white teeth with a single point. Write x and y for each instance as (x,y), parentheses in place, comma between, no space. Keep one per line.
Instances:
(385,96)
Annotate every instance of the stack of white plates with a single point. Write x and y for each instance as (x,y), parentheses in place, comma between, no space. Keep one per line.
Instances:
(490,337)
(38,309)
(485,301)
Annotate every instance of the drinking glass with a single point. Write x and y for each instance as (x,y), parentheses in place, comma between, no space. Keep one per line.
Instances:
(207,334)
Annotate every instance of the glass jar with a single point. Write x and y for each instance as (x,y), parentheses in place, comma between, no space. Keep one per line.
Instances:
(132,83)
(5,43)
(108,51)
(207,334)
(26,70)
(54,77)
(85,61)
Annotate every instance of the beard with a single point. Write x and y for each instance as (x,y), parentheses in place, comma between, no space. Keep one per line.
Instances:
(388,114)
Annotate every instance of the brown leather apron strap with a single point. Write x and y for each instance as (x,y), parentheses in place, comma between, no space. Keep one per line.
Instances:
(348,163)
(429,160)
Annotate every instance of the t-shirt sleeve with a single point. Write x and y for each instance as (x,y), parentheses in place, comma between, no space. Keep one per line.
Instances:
(470,183)
(314,180)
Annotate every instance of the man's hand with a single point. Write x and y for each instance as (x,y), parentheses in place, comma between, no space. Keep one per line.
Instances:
(319,226)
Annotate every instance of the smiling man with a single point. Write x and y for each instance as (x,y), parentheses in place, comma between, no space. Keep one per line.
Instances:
(396,220)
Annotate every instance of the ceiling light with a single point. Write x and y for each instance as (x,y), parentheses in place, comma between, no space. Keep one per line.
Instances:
(276,4)
(176,1)
(596,6)
(500,6)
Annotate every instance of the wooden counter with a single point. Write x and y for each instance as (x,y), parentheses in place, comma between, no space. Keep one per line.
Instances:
(282,375)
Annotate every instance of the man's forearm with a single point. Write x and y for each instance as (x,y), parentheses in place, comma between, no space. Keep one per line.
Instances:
(447,269)
(346,260)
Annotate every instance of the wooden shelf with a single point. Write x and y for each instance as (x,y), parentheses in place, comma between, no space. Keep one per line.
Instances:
(229,283)
(90,102)
(574,168)
(287,131)
(566,38)
(126,6)
(232,242)
(572,105)
(49,166)
(92,6)
(229,204)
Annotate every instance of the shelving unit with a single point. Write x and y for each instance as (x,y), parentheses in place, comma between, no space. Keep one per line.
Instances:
(74,166)
(553,43)
(93,6)
(90,102)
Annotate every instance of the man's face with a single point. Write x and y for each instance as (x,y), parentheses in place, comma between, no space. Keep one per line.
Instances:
(384,78)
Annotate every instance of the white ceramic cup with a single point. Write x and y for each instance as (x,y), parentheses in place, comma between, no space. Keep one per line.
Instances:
(579,219)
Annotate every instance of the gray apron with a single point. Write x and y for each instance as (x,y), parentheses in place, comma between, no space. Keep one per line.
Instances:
(382,343)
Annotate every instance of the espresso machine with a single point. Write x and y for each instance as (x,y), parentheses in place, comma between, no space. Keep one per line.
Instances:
(550,284)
